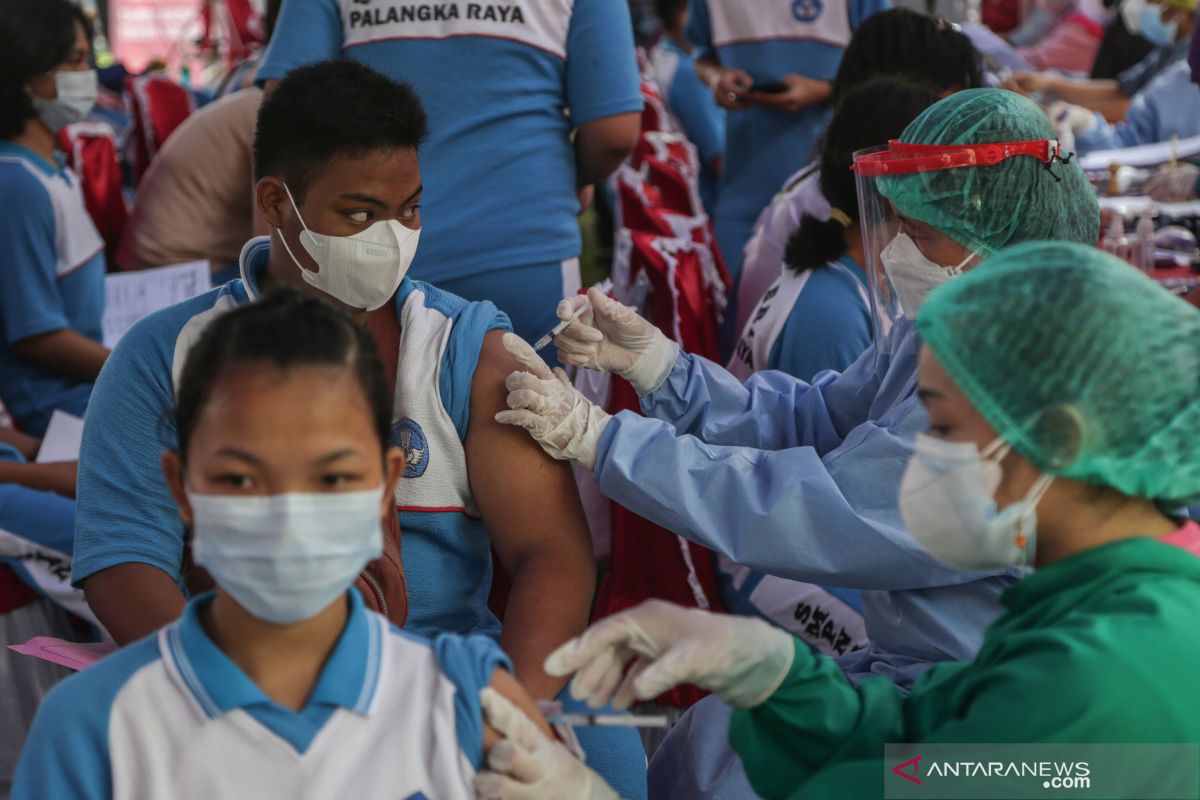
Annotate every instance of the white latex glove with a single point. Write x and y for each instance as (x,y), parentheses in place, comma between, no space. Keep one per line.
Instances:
(612,337)
(565,423)
(740,659)
(526,765)
(1070,121)
(1174,185)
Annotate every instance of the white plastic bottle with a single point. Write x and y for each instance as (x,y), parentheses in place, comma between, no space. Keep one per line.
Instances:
(1143,245)
(1115,241)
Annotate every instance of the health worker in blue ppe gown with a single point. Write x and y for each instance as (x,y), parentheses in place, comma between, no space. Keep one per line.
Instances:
(800,479)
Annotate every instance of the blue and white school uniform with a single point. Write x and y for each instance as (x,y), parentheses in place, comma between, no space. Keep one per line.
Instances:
(125,512)
(762,145)
(503,85)
(51,279)
(392,715)
(693,109)
(37,535)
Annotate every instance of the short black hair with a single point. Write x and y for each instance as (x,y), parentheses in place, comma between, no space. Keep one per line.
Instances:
(908,44)
(666,10)
(330,110)
(35,37)
(283,330)
(871,113)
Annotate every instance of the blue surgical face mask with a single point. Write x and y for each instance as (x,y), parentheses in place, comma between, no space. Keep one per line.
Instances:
(1153,29)
(286,557)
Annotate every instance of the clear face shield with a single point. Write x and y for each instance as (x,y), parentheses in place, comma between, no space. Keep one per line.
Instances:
(926,214)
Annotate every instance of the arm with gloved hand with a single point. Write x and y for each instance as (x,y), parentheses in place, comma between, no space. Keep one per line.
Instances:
(795,712)
(771,411)
(779,511)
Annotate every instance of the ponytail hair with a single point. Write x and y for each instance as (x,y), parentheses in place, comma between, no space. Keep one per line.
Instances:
(870,114)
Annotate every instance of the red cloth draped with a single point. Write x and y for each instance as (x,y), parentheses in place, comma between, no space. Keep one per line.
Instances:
(91,150)
(157,106)
(664,245)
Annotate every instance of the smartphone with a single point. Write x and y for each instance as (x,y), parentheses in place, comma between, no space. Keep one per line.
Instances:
(776,87)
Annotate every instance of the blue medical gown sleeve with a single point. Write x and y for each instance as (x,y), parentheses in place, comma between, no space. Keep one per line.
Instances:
(1170,104)
(771,411)
(788,512)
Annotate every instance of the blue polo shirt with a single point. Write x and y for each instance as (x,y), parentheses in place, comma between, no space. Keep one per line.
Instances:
(762,145)
(52,278)
(391,715)
(503,85)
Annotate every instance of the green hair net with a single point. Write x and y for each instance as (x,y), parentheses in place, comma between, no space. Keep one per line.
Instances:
(1084,365)
(989,208)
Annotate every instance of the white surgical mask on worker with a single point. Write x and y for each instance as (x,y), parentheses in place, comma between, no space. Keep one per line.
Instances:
(912,275)
(286,557)
(363,270)
(77,93)
(947,502)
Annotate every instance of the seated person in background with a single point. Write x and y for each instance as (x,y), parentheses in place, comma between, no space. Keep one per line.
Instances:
(1073,40)
(690,102)
(52,279)
(1167,24)
(196,201)
(900,43)
(1120,48)
(37,521)
(817,317)
(340,185)
(280,684)
(1168,106)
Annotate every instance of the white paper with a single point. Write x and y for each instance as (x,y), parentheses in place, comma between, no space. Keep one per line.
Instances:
(61,442)
(129,296)
(1145,155)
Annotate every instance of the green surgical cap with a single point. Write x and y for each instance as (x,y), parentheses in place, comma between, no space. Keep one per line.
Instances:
(989,208)
(1084,365)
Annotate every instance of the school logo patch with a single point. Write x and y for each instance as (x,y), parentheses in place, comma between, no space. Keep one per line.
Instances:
(807,10)
(408,436)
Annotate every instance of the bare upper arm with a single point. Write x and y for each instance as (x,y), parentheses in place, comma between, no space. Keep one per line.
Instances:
(526,497)
(504,683)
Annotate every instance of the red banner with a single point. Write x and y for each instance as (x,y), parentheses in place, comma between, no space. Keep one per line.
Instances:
(141,31)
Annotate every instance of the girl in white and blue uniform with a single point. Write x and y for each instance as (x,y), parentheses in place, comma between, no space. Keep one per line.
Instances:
(688,100)
(52,279)
(279,684)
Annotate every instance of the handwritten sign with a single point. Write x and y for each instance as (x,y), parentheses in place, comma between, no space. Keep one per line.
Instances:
(129,296)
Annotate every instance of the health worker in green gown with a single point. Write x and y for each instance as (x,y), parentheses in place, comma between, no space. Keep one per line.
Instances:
(1063,392)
